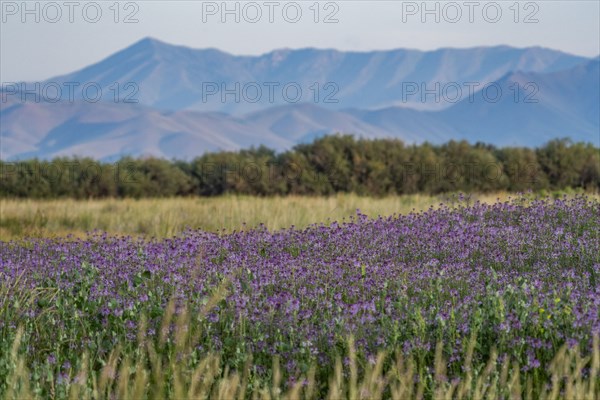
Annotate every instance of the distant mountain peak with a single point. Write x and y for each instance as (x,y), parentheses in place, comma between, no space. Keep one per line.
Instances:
(159,48)
(149,43)
(149,40)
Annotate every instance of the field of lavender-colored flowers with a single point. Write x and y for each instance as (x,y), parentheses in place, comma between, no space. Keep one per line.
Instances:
(522,277)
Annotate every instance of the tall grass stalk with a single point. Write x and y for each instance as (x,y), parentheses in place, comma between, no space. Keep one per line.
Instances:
(152,373)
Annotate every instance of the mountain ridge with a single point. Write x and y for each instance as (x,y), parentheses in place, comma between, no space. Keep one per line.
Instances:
(169,121)
(181,78)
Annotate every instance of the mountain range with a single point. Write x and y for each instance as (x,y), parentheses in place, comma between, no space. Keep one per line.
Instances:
(185,100)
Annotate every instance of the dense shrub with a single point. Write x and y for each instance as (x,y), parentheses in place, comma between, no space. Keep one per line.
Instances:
(328,165)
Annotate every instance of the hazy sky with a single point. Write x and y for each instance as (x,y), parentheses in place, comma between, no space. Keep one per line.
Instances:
(45,39)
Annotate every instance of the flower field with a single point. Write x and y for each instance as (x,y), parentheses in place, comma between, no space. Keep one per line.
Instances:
(498,301)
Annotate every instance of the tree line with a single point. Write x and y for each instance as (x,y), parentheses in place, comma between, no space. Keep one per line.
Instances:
(331,164)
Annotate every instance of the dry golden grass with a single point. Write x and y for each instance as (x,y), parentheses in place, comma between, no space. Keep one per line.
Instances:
(168,217)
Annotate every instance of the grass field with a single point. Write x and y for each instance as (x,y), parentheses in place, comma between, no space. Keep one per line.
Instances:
(167,217)
(488,297)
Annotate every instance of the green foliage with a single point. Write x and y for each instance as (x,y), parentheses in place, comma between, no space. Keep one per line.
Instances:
(332,164)
(170,364)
